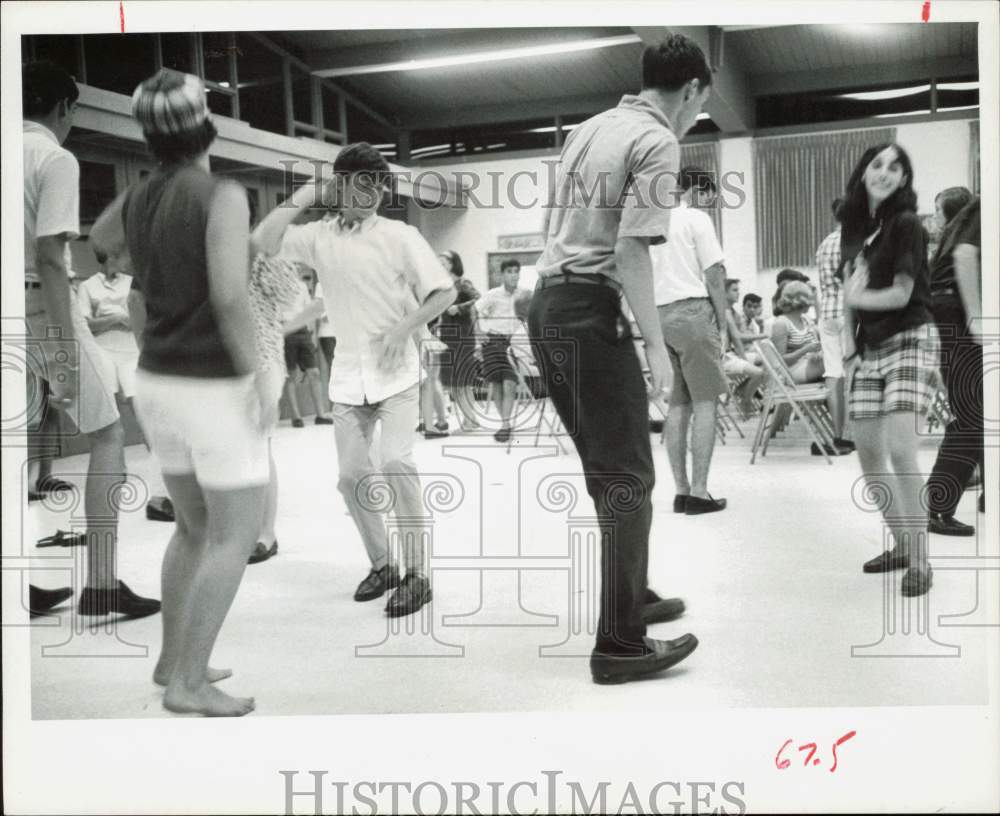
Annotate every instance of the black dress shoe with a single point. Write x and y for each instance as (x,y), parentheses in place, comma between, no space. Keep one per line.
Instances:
(680,503)
(943,524)
(120,600)
(839,450)
(262,553)
(160,508)
(502,435)
(412,594)
(378,582)
(322,420)
(662,610)
(608,669)
(298,423)
(435,434)
(41,601)
(887,561)
(844,444)
(695,506)
(916,582)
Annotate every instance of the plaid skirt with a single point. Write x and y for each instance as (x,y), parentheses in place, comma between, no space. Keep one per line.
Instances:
(899,374)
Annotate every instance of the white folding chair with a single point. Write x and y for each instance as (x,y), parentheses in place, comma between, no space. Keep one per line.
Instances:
(523,362)
(807,402)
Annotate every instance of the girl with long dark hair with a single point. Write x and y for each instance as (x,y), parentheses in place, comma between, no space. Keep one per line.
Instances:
(891,348)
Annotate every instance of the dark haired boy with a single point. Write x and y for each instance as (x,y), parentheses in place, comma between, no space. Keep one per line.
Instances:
(381,284)
(593,254)
(82,381)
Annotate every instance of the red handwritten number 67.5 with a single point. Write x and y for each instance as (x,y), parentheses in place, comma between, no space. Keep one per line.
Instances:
(782,764)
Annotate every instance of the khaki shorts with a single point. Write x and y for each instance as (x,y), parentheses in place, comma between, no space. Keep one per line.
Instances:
(831,339)
(94,406)
(695,348)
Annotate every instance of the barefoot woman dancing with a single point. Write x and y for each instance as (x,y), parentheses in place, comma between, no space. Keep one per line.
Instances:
(201,407)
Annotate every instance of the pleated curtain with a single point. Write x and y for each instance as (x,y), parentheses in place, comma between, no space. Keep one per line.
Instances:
(795,180)
(705,156)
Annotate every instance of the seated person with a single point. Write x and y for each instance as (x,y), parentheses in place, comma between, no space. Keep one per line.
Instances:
(794,334)
(741,364)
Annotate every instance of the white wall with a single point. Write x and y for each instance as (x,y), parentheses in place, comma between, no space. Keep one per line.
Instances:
(940,155)
(512,193)
(939,151)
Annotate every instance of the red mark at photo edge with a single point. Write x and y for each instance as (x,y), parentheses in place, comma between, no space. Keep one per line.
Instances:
(121,13)
(925,12)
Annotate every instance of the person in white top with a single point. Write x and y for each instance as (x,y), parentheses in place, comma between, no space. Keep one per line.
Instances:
(73,365)
(498,321)
(103,301)
(689,286)
(382,283)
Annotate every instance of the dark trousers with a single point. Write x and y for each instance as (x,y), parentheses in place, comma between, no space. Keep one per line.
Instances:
(587,360)
(962,447)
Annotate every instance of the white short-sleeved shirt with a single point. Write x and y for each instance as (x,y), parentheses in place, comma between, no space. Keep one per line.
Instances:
(679,265)
(323,327)
(497,314)
(51,191)
(373,273)
(99,296)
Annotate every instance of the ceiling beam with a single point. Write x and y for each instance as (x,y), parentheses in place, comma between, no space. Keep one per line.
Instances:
(730,104)
(509,112)
(862,75)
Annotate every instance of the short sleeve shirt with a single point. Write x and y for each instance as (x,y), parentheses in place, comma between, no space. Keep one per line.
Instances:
(899,248)
(679,265)
(617,177)
(964,230)
(373,273)
(51,191)
(100,296)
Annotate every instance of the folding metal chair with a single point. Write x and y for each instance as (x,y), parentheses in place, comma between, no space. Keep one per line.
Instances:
(523,362)
(807,402)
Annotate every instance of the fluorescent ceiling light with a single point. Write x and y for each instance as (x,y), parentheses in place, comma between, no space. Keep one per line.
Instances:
(483,56)
(925,112)
(891,93)
(958,86)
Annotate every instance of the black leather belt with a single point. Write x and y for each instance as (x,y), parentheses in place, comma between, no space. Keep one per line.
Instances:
(564,277)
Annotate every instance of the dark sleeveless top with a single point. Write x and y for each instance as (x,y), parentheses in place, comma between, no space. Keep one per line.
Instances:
(166,218)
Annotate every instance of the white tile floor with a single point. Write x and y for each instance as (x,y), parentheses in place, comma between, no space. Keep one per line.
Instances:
(773,584)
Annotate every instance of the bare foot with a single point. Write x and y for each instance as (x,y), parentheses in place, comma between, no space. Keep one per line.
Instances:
(206,700)
(162,677)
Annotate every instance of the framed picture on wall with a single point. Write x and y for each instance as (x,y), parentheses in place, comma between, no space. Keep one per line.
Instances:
(527,259)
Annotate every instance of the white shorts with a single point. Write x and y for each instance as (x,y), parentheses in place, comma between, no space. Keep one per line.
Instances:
(125,364)
(831,339)
(206,426)
(274,376)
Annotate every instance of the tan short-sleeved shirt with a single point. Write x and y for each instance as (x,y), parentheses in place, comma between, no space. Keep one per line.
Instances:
(617,177)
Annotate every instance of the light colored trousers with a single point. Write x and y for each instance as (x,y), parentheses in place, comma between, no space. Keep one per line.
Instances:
(394,486)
